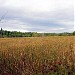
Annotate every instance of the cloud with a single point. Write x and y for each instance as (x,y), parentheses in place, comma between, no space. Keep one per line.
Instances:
(38,16)
(13,25)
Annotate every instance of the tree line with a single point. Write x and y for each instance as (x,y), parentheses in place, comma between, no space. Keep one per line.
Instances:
(5,33)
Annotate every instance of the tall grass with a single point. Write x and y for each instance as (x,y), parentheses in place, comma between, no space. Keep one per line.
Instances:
(37,56)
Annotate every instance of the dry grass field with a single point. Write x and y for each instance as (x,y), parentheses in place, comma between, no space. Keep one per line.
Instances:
(52,55)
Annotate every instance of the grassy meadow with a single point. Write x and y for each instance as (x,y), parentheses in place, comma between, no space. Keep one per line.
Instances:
(54,55)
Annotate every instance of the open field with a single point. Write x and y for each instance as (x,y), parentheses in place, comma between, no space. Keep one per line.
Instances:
(37,56)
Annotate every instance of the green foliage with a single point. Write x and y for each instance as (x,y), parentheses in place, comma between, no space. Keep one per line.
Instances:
(74,33)
(5,33)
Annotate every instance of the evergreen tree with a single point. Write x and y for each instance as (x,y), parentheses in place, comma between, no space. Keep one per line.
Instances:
(1,32)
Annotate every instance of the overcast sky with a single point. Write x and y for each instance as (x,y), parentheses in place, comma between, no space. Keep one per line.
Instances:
(37,15)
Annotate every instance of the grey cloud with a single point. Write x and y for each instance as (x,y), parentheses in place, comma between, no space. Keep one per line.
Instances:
(50,21)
